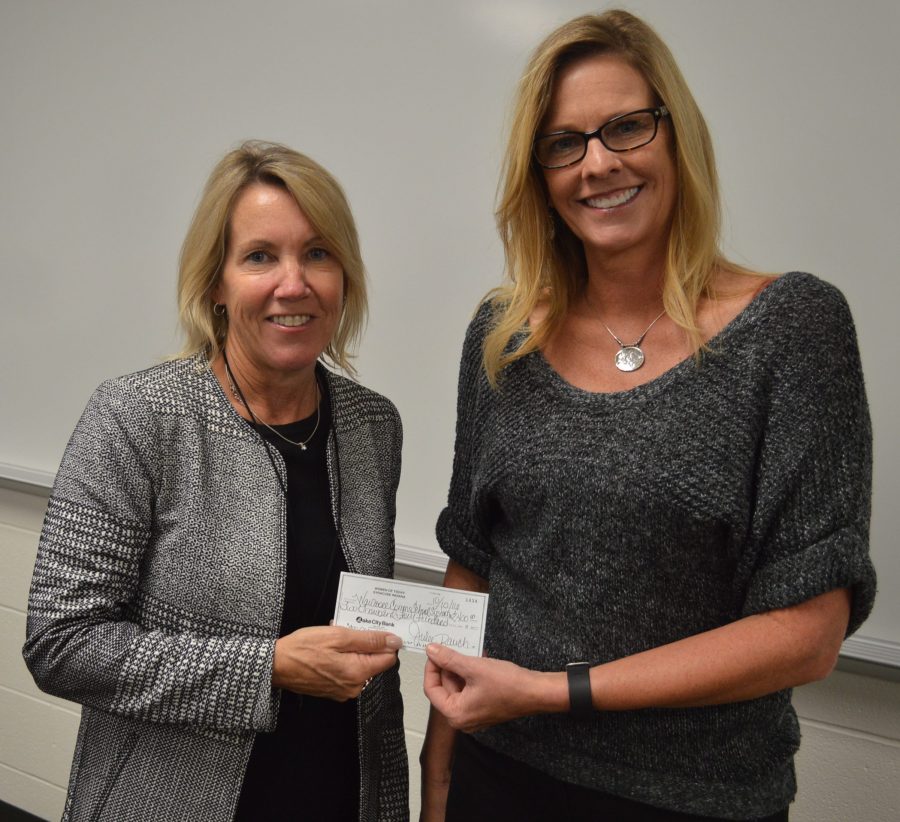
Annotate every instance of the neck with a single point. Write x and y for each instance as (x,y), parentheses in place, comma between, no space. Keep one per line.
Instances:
(277,398)
(628,287)
(623,295)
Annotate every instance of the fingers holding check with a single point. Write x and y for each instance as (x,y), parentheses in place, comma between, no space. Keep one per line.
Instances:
(476,692)
(332,662)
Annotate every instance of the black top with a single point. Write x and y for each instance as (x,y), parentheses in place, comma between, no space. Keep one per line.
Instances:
(308,768)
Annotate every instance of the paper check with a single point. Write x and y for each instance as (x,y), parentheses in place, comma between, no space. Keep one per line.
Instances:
(416,612)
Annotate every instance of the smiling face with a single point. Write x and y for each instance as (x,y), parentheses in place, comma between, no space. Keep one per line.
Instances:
(615,202)
(282,288)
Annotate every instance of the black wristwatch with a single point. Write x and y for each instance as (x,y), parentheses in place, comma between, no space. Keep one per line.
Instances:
(581,704)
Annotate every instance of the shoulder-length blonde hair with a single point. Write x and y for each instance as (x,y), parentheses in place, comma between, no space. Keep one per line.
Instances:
(321,199)
(544,259)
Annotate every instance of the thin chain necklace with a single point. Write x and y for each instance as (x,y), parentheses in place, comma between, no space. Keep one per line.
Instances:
(630,357)
(239,396)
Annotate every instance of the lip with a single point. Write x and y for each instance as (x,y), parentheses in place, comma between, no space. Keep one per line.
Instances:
(611,200)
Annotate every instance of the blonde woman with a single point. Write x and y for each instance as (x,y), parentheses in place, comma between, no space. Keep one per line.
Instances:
(203,510)
(662,474)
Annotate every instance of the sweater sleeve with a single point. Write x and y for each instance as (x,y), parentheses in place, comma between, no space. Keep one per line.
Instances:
(810,523)
(458,531)
(82,643)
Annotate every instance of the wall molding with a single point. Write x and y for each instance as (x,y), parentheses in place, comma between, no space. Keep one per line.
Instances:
(425,559)
(871,649)
(37,481)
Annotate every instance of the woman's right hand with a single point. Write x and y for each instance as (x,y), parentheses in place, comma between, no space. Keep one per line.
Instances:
(332,662)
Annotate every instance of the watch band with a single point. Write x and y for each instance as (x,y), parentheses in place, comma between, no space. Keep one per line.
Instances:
(581,704)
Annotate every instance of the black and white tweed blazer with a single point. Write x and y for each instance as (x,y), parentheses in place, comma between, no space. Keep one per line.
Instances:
(158,588)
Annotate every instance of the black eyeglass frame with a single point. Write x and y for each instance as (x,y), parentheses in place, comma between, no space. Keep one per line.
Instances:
(658,113)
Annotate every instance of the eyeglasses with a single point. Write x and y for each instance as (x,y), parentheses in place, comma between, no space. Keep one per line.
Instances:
(622,133)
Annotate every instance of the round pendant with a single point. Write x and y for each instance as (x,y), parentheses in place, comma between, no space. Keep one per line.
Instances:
(630,358)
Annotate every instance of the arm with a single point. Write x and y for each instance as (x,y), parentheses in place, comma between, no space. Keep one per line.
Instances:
(749,658)
(436,758)
(83,642)
(461,536)
(86,639)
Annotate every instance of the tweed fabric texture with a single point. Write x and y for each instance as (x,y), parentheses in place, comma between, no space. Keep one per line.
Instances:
(158,588)
(608,524)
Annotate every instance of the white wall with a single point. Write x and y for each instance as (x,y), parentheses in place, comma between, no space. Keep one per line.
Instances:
(847,766)
(114,112)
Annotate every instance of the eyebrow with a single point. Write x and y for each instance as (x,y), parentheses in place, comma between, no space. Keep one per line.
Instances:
(268,245)
(254,244)
(558,129)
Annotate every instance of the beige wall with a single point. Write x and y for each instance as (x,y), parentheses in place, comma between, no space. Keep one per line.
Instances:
(848,767)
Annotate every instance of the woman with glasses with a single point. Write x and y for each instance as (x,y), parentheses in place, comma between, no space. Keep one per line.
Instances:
(662,474)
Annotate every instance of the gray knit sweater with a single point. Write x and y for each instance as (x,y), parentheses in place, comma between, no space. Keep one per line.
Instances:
(608,524)
(158,590)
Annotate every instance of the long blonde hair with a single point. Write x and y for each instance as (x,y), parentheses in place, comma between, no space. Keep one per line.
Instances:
(545,261)
(321,199)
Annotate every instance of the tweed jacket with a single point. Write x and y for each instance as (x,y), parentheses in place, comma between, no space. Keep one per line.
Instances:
(158,588)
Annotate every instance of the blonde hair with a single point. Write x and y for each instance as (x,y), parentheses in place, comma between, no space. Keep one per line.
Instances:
(544,259)
(321,199)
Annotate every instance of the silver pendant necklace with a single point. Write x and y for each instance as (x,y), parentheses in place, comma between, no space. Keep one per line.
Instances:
(239,396)
(630,356)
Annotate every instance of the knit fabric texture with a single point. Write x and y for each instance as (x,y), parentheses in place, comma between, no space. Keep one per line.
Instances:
(608,524)
(158,589)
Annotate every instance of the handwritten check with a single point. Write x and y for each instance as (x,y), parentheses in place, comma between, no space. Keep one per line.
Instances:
(416,612)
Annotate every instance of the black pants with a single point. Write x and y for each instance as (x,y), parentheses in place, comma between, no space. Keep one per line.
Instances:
(489,786)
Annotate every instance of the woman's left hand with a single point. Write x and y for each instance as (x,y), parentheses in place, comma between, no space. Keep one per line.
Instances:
(476,692)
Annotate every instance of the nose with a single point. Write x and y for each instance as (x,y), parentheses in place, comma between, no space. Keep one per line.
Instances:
(598,159)
(292,281)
